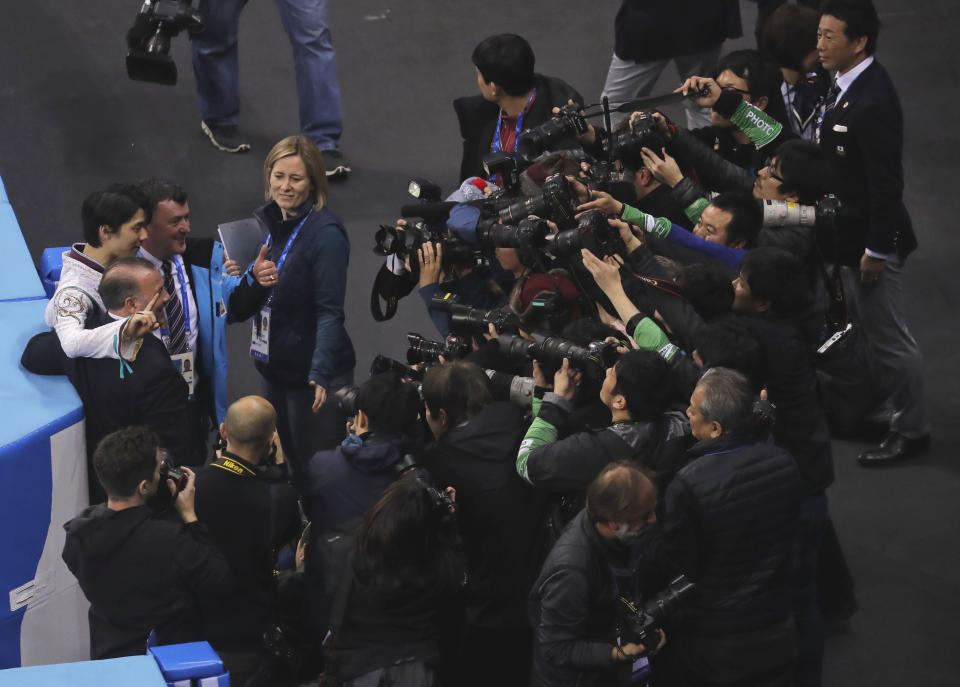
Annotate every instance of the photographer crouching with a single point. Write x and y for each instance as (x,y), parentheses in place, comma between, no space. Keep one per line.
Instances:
(573,606)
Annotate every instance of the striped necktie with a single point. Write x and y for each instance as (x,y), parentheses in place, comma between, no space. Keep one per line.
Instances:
(176,332)
(829,102)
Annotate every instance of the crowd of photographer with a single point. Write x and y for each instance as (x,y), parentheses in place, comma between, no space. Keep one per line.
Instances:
(609,466)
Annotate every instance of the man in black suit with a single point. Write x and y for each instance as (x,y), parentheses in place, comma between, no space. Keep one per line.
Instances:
(148,390)
(861,130)
(512,96)
(250,511)
(200,289)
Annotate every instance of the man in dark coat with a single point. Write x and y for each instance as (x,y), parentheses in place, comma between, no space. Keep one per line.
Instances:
(861,131)
(648,35)
(141,572)
(251,512)
(599,556)
(729,525)
(501,518)
(147,390)
(512,98)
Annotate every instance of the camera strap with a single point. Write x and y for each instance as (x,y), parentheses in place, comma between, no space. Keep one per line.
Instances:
(665,285)
(391,288)
(234,464)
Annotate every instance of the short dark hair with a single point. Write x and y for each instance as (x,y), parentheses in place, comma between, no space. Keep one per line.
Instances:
(506,60)
(615,495)
(459,388)
(805,171)
(112,208)
(708,287)
(790,35)
(727,399)
(159,190)
(389,404)
(125,458)
(778,277)
(859,17)
(643,379)
(119,281)
(729,343)
(746,216)
(763,78)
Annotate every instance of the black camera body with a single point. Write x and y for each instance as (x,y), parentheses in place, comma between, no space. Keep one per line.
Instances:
(465,319)
(627,145)
(557,201)
(592,360)
(566,123)
(592,232)
(170,471)
(158,21)
(527,234)
(640,624)
(421,351)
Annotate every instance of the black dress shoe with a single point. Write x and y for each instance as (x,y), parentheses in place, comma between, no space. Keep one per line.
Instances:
(895,447)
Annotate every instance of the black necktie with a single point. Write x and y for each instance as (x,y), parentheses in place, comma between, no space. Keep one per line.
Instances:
(176,332)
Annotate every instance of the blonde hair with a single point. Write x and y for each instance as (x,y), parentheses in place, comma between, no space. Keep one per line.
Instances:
(306,150)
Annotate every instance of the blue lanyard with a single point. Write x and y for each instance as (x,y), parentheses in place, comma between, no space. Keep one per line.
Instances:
(293,237)
(495,146)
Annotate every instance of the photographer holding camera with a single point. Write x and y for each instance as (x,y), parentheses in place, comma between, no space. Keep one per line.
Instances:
(603,553)
(636,389)
(729,524)
(141,572)
(251,512)
(501,519)
(512,98)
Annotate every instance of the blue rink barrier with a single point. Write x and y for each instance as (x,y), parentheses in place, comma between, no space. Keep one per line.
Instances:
(42,479)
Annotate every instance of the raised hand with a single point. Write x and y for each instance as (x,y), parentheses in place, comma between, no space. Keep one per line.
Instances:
(664,169)
(142,322)
(695,84)
(264,271)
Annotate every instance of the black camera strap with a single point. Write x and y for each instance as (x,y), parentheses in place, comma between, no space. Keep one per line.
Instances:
(234,464)
(665,285)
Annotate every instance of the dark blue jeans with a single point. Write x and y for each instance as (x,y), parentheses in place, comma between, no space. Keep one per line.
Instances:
(215,66)
(303,432)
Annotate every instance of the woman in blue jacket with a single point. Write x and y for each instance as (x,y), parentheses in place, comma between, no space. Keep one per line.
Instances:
(299,343)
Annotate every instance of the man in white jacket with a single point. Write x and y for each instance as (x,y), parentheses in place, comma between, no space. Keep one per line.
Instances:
(114,225)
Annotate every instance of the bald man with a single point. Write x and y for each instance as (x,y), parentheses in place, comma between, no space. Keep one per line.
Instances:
(250,511)
(145,390)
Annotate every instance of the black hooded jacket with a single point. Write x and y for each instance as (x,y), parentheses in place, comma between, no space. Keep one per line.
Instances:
(142,573)
(502,519)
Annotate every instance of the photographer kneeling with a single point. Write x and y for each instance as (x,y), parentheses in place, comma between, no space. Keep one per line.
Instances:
(141,572)
(597,559)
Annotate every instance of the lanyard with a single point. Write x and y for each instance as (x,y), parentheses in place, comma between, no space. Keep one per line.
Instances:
(286,248)
(495,146)
(229,462)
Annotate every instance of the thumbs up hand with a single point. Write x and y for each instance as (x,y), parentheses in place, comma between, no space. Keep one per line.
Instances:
(264,271)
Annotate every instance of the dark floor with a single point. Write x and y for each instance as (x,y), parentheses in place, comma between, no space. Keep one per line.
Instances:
(71,122)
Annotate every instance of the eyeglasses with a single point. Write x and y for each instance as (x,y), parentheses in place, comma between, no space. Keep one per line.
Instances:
(769,171)
(733,89)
